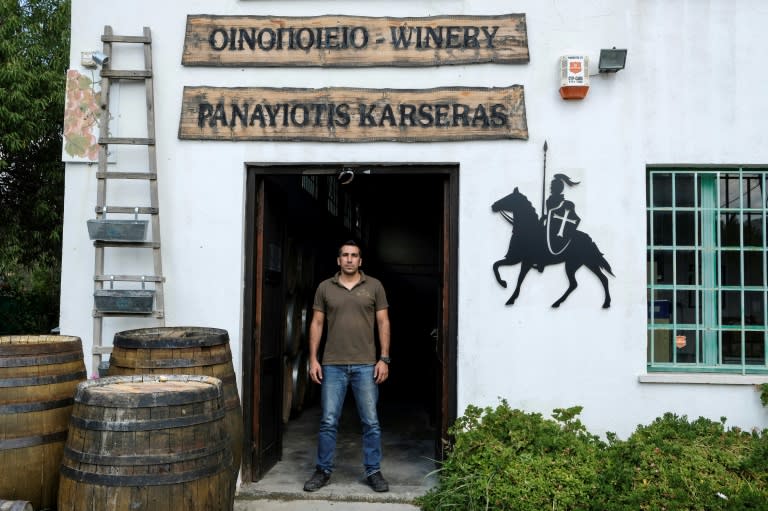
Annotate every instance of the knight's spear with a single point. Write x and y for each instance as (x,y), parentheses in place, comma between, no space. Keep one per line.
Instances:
(544,181)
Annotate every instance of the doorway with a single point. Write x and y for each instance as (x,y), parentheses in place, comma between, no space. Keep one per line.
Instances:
(405,217)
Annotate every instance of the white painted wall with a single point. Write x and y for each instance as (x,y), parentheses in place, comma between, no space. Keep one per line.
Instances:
(692,92)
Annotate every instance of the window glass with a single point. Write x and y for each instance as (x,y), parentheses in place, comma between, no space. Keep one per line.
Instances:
(731,347)
(754,308)
(684,190)
(685,346)
(662,189)
(753,229)
(755,348)
(663,266)
(730,225)
(729,191)
(753,268)
(730,268)
(686,307)
(753,191)
(730,307)
(685,230)
(662,228)
(686,267)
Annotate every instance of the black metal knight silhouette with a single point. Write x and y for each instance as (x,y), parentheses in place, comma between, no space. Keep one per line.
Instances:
(552,239)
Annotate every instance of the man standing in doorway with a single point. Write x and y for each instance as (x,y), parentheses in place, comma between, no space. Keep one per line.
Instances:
(352,302)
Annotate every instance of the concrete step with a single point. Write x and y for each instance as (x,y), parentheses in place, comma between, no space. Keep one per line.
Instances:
(318,505)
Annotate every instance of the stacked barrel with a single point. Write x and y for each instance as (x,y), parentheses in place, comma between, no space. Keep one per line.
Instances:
(38,378)
(163,431)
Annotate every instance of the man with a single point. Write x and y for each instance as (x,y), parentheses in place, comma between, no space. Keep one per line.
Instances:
(352,302)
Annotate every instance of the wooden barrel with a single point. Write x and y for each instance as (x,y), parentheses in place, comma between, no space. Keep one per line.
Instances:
(38,378)
(183,350)
(155,443)
(15,505)
(299,381)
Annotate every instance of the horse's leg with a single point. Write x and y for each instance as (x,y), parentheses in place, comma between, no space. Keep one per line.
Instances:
(570,271)
(524,267)
(500,262)
(604,281)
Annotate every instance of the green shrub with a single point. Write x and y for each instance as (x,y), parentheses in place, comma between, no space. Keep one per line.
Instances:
(676,464)
(505,459)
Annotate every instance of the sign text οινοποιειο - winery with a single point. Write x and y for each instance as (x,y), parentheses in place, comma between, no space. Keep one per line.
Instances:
(354,41)
(340,114)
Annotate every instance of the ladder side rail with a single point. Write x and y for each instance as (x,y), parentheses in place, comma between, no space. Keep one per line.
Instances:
(152,157)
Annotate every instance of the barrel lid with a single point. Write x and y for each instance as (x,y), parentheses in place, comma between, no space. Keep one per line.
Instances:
(148,390)
(171,337)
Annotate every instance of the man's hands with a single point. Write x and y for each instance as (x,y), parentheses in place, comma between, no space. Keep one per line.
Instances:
(316,371)
(380,372)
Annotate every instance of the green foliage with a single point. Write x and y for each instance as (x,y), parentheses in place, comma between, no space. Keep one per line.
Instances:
(34,55)
(507,459)
(764,394)
(676,464)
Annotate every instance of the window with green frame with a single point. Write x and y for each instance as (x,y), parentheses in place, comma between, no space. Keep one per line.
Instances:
(707,287)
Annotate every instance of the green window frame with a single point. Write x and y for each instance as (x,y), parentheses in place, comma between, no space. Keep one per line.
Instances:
(706,270)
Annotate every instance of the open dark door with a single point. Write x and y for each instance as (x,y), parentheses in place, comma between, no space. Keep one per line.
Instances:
(445,333)
(266,348)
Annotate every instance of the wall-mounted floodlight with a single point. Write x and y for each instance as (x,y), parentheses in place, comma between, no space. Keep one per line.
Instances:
(346,176)
(612,60)
(100,58)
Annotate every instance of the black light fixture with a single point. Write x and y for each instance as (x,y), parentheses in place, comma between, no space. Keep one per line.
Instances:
(612,60)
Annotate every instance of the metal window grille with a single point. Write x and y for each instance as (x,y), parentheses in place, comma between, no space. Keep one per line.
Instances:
(309,184)
(707,282)
(333,196)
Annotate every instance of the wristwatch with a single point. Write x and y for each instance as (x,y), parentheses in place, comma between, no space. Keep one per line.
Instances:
(386,360)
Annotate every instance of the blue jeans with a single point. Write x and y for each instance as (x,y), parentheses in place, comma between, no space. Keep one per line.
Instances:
(336,379)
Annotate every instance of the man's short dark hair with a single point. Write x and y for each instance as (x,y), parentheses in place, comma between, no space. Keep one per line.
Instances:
(350,243)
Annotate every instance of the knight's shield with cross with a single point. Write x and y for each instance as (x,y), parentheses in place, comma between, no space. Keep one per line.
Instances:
(562,223)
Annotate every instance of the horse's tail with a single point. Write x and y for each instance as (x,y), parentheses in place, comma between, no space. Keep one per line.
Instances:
(604,264)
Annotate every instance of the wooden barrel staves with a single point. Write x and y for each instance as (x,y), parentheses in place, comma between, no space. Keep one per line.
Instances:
(183,350)
(15,505)
(38,378)
(154,443)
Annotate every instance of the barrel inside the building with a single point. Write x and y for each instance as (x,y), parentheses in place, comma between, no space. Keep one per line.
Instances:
(15,505)
(183,350)
(155,443)
(38,378)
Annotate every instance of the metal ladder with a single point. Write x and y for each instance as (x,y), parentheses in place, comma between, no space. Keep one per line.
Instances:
(104,176)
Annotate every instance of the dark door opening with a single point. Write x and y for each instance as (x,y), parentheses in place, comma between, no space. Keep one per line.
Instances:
(405,218)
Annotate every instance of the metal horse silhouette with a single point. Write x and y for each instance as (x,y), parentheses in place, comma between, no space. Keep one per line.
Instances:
(537,243)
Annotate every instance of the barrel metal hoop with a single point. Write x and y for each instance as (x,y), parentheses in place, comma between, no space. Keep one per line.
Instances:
(35,406)
(42,380)
(135,460)
(170,363)
(41,360)
(142,480)
(31,441)
(147,425)
(155,339)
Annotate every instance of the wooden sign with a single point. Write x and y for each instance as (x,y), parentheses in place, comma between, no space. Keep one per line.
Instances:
(339,114)
(354,41)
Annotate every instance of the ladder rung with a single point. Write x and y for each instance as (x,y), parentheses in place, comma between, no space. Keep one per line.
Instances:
(111,38)
(126,74)
(127,244)
(101,350)
(129,278)
(99,314)
(126,141)
(126,209)
(126,175)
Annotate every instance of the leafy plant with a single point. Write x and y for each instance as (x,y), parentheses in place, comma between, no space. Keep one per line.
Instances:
(764,394)
(507,459)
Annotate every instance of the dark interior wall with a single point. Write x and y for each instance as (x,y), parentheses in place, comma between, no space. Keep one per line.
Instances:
(401,218)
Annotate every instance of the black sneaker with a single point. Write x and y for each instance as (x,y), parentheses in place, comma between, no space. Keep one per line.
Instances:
(377,482)
(319,479)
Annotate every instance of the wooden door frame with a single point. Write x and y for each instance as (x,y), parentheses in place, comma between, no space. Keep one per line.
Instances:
(449,327)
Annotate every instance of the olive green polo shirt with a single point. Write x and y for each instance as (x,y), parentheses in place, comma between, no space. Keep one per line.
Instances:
(351,316)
